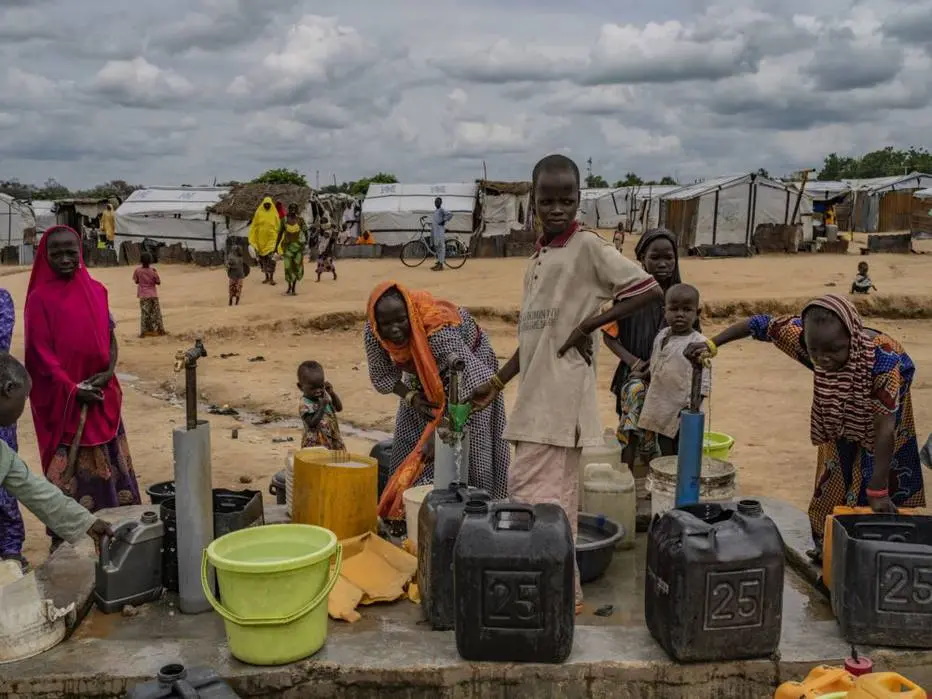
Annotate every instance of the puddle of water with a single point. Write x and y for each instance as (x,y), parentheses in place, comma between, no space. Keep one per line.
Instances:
(128,378)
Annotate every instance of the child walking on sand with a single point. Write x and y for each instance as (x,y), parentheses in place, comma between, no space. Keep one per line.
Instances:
(671,373)
(147,281)
(862,283)
(237,271)
(572,274)
(318,410)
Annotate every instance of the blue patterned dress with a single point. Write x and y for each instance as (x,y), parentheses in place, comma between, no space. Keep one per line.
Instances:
(12,531)
(844,467)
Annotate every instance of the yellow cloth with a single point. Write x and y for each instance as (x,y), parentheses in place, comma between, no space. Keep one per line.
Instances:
(108,223)
(373,571)
(263,232)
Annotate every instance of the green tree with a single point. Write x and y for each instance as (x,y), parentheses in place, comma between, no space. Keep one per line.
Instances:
(596,182)
(631,180)
(762,172)
(282,176)
(667,180)
(885,162)
(360,187)
(114,188)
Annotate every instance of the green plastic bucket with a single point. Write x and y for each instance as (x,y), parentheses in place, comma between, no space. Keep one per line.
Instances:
(717,445)
(274,581)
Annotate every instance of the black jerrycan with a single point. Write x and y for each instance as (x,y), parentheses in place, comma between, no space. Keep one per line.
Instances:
(714,583)
(177,681)
(882,579)
(438,525)
(513,583)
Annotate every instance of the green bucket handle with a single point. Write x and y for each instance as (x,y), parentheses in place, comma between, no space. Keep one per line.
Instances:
(275,621)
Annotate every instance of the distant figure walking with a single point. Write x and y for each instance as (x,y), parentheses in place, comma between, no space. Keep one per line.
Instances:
(108,225)
(146,278)
(441,218)
(327,241)
(237,271)
(263,236)
(292,239)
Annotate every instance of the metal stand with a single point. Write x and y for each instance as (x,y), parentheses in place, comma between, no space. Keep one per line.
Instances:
(451,457)
(692,431)
(193,491)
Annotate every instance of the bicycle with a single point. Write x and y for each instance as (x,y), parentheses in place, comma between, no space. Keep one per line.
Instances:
(421,248)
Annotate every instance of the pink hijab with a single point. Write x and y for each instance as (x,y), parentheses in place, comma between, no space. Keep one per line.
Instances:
(68,324)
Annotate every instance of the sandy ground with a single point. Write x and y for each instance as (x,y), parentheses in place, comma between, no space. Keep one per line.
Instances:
(759,396)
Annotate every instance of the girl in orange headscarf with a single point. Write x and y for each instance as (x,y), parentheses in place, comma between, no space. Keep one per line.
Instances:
(409,336)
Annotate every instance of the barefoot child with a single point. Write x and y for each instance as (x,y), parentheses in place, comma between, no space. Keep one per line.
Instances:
(237,271)
(147,281)
(572,274)
(319,407)
(57,511)
(671,373)
(862,283)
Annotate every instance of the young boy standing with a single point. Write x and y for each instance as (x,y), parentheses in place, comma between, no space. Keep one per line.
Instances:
(570,277)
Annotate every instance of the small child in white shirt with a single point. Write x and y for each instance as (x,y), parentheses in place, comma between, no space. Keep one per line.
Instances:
(862,283)
(671,373)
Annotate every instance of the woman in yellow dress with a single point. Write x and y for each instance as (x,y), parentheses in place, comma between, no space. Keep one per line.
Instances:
(292,239)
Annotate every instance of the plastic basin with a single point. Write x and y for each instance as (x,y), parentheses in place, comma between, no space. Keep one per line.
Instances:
(595,545)
(717,445)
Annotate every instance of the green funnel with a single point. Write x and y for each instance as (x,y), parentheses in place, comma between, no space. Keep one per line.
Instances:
(459,414)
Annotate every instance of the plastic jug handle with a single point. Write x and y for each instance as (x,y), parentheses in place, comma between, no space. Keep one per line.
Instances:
(183,689)
(105,542)
(516,508)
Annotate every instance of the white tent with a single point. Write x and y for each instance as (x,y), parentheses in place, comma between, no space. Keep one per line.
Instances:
(15,217)
(638,207)
(392,212)
(587,214)
(44,211)
(884,204)
(924,194)
(172,215)
(504,207)
(727,210)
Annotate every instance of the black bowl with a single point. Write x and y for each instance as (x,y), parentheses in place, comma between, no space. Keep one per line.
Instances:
(595,545)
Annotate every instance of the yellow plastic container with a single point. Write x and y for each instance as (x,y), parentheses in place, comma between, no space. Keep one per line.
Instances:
(886,685)
(275,581)
(335,490)
(718,445)
(821,682)
(827,538)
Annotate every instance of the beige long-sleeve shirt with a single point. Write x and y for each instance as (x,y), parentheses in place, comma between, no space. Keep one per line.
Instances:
(566,282)
(56,510)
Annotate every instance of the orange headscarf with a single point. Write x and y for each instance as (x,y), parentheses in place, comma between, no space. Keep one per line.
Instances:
(426,316)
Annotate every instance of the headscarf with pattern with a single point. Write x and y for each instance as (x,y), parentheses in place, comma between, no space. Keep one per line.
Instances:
(426,315)
(841,402)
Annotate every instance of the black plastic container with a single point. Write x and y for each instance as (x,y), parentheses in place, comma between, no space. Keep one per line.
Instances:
(438,525)
(233,510)
(513,584)
(382,452)
(714,583)
(177,681)
(160,492)
(882,579)
(277,488)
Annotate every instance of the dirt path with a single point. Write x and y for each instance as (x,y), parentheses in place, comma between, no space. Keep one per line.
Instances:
(759,396)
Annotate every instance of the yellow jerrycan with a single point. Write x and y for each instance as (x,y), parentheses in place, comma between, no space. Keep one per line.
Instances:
(336,490)
(886,685)
(822,681)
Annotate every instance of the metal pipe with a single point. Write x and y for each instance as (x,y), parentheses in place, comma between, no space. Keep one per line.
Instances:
(689,459)
(188,360)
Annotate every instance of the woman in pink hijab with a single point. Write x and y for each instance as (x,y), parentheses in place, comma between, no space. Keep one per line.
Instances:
(71,353)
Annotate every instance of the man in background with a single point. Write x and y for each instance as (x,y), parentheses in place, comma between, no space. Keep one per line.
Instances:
(439,233)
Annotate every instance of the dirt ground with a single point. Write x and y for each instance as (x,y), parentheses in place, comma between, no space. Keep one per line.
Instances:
(759,396)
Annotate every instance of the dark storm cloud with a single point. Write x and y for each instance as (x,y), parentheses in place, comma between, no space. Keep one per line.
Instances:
(219,25)
(839,64)
(911,24)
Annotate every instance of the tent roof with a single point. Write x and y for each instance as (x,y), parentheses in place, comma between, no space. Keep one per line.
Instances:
(243,199)
(918,180)
(171,200)
(924,194)
(715,183)
(829,188)
(497,187)
(420,197)
(594,192)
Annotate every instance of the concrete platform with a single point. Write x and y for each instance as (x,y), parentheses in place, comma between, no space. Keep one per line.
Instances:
(390,653)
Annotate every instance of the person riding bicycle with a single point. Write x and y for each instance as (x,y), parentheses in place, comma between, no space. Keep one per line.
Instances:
(441,218)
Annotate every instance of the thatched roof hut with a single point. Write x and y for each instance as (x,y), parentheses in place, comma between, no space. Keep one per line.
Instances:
(243,200)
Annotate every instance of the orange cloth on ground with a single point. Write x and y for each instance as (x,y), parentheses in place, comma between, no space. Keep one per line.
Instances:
(426,315)
(373,571)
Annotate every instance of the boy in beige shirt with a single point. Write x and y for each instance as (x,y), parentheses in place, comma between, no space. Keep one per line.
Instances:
(571,276)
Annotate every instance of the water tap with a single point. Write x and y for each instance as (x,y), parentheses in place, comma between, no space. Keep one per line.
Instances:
(188,358)
(457,410)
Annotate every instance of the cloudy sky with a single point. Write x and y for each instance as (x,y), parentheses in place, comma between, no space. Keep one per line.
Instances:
(187,91)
